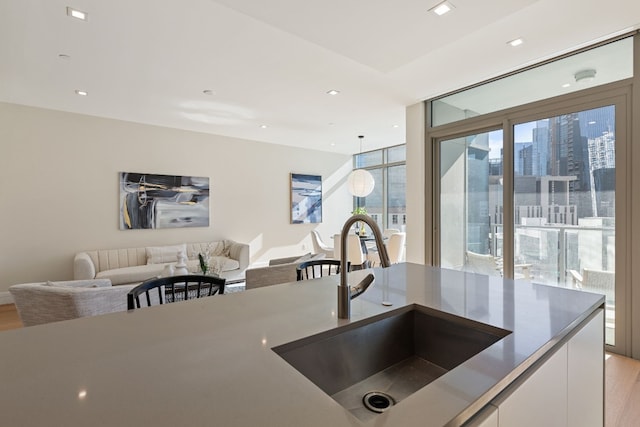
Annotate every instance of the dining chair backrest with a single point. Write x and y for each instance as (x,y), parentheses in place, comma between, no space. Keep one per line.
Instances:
(318,268)
(395,246)
(355,254)
(389,231)
(319,246)
(165,290)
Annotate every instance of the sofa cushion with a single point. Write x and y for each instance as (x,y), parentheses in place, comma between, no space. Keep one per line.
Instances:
(164,254)
(91,283)
(138,273)
(222,248)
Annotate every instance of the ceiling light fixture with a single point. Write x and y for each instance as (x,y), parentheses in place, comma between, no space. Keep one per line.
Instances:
(515,42)
(566,85)
(585,76)
(333,92)
(82,92)
(263,126)
(78,14)
(208,92)
(360,182)
(442,8)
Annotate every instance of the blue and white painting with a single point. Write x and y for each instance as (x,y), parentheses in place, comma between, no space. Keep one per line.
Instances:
(163,201)
(306,198)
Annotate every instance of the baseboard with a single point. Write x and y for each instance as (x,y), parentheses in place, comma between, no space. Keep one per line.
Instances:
(5,298)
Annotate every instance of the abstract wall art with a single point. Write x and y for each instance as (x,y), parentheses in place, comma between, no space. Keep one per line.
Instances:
(306,198)
(163,201)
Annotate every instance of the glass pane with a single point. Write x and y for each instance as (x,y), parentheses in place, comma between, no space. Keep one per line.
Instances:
(373,202)
(397,154)
(604,64)
(471,203)
(564,199)
(371,158)
(396,201)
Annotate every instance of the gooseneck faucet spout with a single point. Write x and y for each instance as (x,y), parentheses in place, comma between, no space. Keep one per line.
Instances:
(345,292)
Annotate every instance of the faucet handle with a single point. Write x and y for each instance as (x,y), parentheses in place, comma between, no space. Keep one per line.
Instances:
(362,286)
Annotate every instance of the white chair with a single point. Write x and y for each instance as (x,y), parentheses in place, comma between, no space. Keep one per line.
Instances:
(389,231)
(319,246)
(355,254)
(599,281)
(395,249)
(492,266)
(46,302)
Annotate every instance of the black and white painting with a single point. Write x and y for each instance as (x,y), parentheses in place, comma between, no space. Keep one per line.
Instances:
(306,198)
(163,201)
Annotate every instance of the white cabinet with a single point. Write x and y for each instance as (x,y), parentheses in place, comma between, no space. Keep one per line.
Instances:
(566,390)
(586,375)
(541,400)
(487,417)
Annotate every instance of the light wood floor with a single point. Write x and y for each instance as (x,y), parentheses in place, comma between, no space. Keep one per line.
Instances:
(622,380)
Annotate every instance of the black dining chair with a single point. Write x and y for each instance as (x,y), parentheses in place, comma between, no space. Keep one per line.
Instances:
(318,268)
(165,290)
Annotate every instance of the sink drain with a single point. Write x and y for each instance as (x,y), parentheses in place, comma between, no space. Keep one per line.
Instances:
(378,401)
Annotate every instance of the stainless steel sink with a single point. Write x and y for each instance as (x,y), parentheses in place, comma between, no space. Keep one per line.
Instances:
(396,353)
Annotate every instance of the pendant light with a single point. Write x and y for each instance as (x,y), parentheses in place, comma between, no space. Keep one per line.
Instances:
(360,181)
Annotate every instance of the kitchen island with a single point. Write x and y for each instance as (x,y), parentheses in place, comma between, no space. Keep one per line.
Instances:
(209,362)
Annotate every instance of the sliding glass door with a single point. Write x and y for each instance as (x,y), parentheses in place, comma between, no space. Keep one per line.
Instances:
(564,202)
(536,200)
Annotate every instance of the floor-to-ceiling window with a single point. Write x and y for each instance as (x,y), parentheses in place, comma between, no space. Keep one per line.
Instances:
(387,203)
(532,188)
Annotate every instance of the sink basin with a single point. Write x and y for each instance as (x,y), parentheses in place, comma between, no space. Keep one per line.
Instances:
(396,353)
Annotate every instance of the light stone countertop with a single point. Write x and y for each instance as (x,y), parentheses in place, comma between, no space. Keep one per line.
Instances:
(209,362)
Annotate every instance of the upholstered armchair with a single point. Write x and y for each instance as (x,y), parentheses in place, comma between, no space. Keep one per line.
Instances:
(46,302)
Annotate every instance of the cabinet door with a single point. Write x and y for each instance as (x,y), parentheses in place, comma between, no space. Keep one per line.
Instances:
(541,400)
(586,375)
(487,417)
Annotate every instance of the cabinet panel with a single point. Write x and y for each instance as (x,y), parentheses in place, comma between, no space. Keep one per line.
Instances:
(586,375)
(541,400)
(487,417)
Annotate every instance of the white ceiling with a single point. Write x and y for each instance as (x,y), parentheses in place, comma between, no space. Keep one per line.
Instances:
(271,62)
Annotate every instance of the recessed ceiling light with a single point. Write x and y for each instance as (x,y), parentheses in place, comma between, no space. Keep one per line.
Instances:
(82,92)
(442,8)
(333,144)
(208,92)
(264,126)
(515,42)
(566,85)
(75,13)
(333,92)
(396,126)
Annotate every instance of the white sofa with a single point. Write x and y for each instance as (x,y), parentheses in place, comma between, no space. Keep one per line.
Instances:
(45,302)
(135,265)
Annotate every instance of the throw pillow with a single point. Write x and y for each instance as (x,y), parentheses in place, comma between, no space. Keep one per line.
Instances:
(164,254)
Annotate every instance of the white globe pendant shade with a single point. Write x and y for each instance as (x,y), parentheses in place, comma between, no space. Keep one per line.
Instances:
(360,183)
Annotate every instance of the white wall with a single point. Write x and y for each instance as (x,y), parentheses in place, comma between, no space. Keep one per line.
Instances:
(418,181)
(59,189)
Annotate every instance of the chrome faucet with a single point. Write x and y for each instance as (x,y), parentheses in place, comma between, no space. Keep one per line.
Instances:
(345,292)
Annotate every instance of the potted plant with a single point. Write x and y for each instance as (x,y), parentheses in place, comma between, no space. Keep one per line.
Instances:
(360,210)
